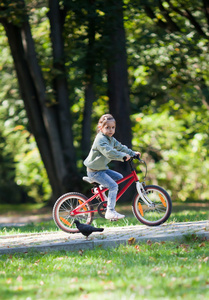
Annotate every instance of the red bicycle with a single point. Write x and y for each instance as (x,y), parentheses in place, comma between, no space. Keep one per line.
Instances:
(151,205)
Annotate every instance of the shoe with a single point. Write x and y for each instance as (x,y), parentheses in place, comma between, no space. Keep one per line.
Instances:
(113,215)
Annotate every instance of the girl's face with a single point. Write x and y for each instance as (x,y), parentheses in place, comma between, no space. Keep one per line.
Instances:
(109,128)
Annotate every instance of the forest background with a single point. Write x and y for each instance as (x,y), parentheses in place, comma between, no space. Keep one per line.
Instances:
(65,63)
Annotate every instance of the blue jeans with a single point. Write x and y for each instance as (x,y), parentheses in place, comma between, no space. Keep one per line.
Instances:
(107,178)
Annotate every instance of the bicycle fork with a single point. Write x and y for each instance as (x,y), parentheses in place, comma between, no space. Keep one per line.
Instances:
(142,194)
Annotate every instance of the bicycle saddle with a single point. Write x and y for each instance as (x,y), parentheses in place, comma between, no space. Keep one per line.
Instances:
(87,179)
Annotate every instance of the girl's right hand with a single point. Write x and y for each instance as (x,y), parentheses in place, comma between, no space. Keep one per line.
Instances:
(127,157)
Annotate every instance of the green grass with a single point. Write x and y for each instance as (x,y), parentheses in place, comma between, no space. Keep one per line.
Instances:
(44,226)
(166,270)
(10,209)
(181,213)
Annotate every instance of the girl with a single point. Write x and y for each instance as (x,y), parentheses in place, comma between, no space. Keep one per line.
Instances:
(104,149)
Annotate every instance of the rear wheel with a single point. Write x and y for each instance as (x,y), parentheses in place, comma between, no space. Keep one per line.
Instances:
(65,205)
(160,209)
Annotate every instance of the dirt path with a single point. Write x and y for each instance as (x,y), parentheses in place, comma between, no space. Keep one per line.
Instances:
(39,215)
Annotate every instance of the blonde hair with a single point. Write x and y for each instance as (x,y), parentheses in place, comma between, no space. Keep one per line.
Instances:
(103,121)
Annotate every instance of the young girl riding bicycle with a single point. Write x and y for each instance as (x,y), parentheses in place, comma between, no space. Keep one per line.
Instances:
(106,148)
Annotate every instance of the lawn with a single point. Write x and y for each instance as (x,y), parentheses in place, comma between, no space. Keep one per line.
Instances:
(181,213)
(164,270)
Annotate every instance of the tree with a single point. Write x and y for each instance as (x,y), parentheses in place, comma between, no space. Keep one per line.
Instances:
(45,119)
(187,21)
(72,71)
(90,96)
(47,101)
(118,89)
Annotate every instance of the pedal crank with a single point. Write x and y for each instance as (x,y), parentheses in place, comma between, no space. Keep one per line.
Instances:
(102,207)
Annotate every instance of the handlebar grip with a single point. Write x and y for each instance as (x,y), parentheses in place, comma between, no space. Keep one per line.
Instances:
(137,156)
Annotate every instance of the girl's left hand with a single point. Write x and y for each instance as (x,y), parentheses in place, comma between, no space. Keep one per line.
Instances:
(138,153)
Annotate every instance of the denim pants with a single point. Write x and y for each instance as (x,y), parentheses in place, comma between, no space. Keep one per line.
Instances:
(107,178)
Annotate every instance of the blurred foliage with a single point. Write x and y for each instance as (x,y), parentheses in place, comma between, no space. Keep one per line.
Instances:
(22,175)
(168,77)
(176,151)
(30,171)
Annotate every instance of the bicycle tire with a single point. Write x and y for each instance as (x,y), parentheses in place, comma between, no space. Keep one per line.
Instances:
(159,212)
(64,205)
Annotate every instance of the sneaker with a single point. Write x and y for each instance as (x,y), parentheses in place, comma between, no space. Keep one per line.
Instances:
(113,215)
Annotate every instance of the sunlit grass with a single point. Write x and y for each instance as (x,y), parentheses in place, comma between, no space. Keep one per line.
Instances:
(165,270)
(180,213)
(45,226)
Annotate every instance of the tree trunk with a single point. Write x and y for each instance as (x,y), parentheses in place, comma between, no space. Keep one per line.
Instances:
(49,123)
(30,97)
(118,90)
(89,82)
(61,88)
(49,113)
(86,124)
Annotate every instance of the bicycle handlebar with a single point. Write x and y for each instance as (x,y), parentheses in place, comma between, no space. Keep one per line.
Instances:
(133,157)
(137,156)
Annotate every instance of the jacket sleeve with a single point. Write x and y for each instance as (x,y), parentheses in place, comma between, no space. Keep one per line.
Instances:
(109,152)
(123,148)
(115,152)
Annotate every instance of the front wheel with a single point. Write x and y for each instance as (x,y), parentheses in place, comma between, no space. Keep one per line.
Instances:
(159,210)
(62,212)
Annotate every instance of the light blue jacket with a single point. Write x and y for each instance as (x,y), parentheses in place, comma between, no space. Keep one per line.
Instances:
(105,149)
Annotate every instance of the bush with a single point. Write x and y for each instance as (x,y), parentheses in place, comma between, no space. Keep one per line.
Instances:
(176,152)
(23,177)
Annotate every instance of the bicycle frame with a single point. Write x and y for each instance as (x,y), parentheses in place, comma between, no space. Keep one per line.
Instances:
(132,177)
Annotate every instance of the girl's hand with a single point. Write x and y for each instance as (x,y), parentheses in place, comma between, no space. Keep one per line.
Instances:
(138,153)
(127,157)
